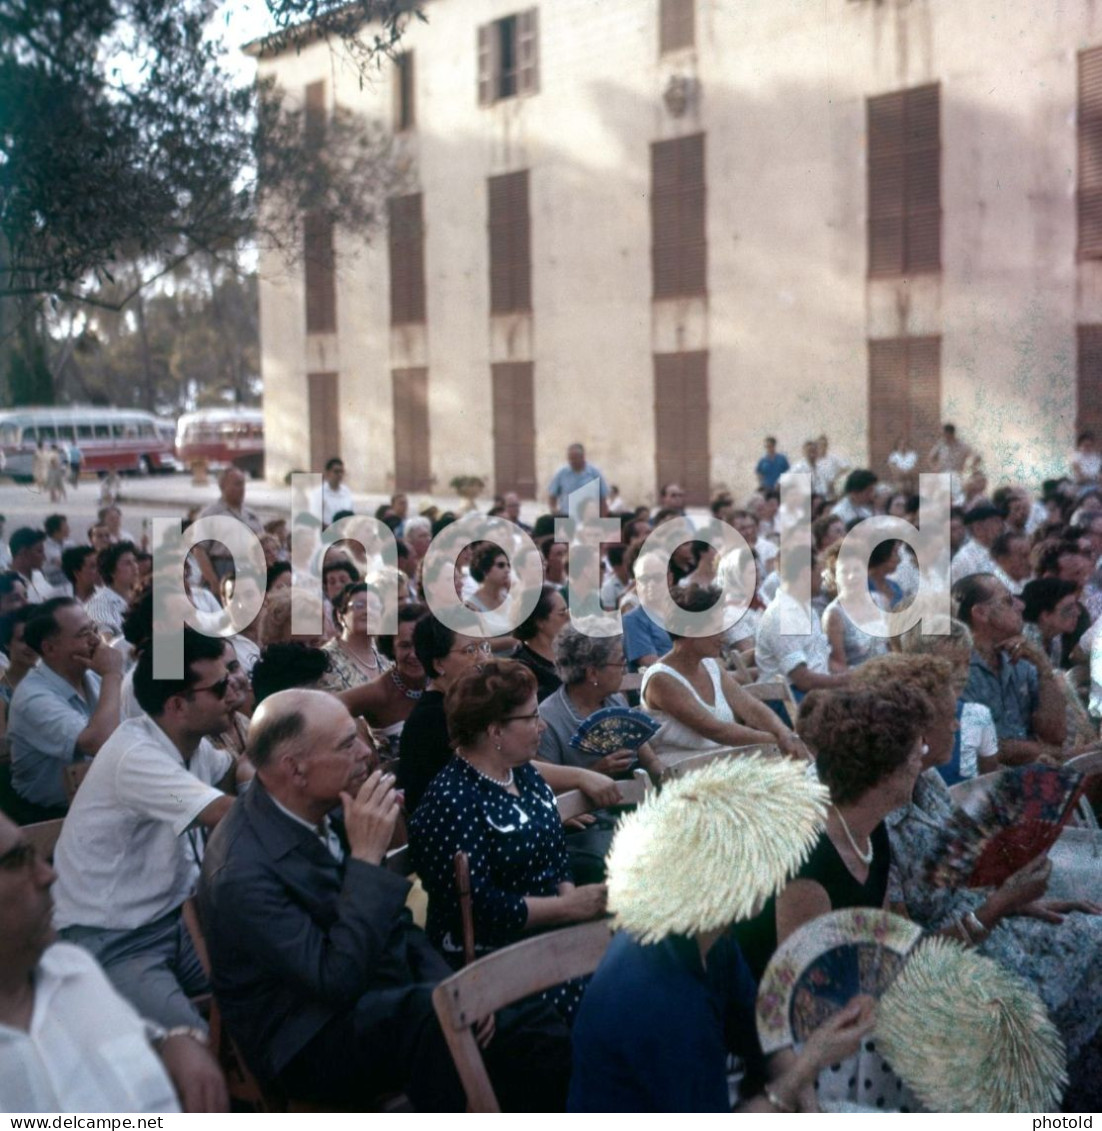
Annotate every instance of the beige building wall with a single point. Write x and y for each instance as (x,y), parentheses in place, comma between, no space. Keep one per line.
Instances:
(780,92)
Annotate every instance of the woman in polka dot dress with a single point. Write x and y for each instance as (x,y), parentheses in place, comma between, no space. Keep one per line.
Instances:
(492,804)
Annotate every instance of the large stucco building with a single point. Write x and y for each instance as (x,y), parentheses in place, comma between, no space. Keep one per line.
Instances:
(669,227)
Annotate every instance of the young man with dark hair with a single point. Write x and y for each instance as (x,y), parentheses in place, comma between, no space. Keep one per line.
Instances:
(28,556)
(129,853)
(66,708)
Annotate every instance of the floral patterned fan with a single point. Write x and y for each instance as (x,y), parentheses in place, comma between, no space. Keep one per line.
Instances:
(818,970)
(613,728)
(1016,821)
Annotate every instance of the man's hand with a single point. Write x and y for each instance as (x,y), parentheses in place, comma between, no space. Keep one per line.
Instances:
(1020,648)
(615,763)
(105,661)
(194,1073)
(601,790)
(370,817)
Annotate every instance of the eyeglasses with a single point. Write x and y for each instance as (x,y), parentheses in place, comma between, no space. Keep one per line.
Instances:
(218,690)
(473,649)
(22,855)
(521,718)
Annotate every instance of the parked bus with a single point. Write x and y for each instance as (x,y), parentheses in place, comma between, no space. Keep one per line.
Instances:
(224,437)
(110,439)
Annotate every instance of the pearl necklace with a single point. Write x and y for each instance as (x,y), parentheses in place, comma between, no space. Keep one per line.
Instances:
(408,692)
(496,781)
(864,857)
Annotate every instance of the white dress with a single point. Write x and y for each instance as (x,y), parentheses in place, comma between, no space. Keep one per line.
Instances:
(672,733)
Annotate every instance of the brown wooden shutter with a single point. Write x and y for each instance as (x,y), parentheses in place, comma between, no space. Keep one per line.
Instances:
(323,411)
(675,25)
(412,450)
(1088,417)
(407,259)
(320,268)
(1090,153)
(904,396)
(487,67)
(904,181)
(314,118)
(510,254)
(682,452)
(514,428)
(679,248)
(405,110)
(527,48)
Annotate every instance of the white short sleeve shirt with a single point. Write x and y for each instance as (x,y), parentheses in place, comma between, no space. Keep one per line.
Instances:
(86,1049)
(127,855)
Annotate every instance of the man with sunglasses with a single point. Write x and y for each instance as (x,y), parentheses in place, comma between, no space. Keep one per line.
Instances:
(131,846)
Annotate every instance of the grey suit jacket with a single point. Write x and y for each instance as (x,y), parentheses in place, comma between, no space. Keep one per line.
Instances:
(297,939)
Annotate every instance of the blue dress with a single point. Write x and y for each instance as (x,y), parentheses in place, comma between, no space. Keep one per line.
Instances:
(515,846)
(655,1028)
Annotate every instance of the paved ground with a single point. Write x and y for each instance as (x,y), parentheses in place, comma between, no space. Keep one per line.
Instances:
(170,495)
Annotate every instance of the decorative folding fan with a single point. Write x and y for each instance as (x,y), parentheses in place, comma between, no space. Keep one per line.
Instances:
(1017,820)
(818,970)
(614,728)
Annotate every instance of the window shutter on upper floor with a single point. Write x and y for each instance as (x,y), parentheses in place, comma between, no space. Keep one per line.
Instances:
(679,250)
(406,245)
(1090,154)
(510,240)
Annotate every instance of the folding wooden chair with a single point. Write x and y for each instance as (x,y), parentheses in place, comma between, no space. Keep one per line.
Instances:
(698,761)
(774,691)
(502,978)
(632,791)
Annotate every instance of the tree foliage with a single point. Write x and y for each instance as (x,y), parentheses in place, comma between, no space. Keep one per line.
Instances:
(123,138)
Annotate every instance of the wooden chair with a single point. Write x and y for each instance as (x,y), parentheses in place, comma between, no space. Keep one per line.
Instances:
(73,775)
(43,836)
(502,978)
(774,691)
(574,802)
(704,758)
(631,681)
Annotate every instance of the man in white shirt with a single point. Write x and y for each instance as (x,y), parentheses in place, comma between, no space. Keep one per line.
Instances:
(860,493)
(984,524)
(1010,554)
(68,1041)
(335,496)
(803,659)
(130,850)
(57,542)
(118,567)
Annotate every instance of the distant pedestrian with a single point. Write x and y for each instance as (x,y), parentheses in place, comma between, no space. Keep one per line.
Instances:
(575,473)
(771,466)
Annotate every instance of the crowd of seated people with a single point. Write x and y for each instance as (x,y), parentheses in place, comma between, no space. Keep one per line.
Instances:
(269,780)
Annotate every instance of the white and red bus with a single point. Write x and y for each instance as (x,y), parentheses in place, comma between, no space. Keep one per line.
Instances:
(110,439)
(224,437)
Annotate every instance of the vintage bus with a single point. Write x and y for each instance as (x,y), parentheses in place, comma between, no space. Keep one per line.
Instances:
(110,439)
(224,437)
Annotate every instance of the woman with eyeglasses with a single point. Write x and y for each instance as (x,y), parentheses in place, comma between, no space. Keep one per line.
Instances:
(591,668)
(353,657)
(537,634)
(425,748)
(491,803)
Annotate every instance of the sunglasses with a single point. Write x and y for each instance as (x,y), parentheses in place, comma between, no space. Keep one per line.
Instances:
(218,690)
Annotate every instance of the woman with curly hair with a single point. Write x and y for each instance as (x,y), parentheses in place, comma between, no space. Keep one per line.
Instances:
(353,657)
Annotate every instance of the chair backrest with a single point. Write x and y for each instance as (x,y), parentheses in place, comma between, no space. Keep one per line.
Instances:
(506,976)
(72,775)
(631,681)
(772,691)
(1089,763)
(698,761)
(574,803)
(43,835)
